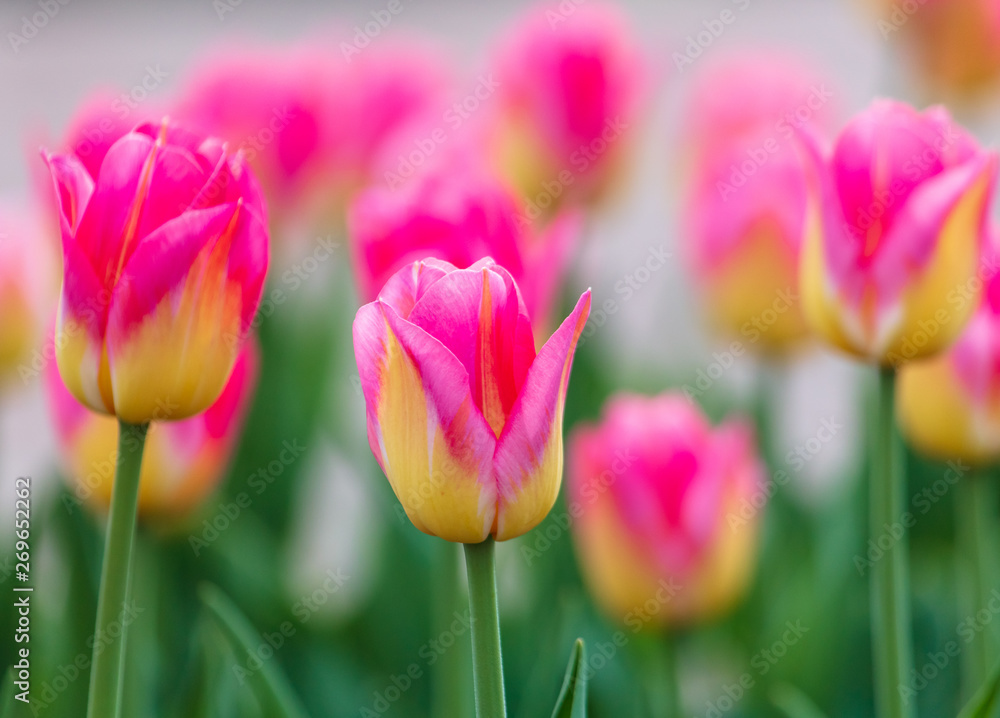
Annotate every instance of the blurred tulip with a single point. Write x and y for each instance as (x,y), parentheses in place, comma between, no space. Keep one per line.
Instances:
(101,120)
(661,499)
(746,204)
(308,121)
(955,43)
(183,462)
(949,406)
(897,231)
(459,216)
(164,261)
(463,417)
(25,264)
(746,97)
(571,84)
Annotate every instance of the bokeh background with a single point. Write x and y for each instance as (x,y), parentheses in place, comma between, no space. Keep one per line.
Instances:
(331,510)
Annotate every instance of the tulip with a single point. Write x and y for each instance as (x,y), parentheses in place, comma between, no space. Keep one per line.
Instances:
(164,258)
(463,417)
(949,405)
(460,216)
(897,223)
(310,121)
(24,281)
(663,499)
(955,44)
(100,121)
(571,85)
(184,460)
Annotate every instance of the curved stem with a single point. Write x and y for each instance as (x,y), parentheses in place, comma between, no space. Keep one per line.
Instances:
(487,665)
(891,642)
(116,578)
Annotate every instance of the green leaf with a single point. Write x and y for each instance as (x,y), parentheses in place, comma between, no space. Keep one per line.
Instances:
(793,702)
(270,684)
(984,704)
(572,701)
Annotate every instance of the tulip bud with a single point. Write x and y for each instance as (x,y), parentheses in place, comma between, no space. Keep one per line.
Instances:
(458,215)
(896,225)
(183,462)
(463,417)
(571,86)
(164,258)
(949,406)
(665,507)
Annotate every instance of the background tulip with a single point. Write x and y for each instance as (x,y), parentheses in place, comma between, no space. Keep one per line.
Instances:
(949,405)
(901,218)
(463,417)
(746,190)
(183,462)
(459,215)
(164,260)
(25,288)
(658,495)
(571,86)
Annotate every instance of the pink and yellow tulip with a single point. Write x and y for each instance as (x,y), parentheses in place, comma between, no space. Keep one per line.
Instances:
(26,289)
(949,406)
(896,225)
(164,258)
(460,216)
(661,499)
(464,417)
(183,462)
(746,191)
(571,86)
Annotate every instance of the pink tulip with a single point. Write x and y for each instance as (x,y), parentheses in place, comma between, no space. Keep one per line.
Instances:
(308,120)
(571,86)
(463,417)
(744,98)
(164,258)
(184,460)
(900,223)
(661,501)
(949,405)
(460,216)
(745,211)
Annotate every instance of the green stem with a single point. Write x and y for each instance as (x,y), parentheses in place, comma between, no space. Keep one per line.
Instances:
(108,662)
(450,697)
(975,503)
(663,688)
(487,666)
(891,642)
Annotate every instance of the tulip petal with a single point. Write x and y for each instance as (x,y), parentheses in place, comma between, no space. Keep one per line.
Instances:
(423,427)
(529,455)
(407,285)
(175,300)
(74,187)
